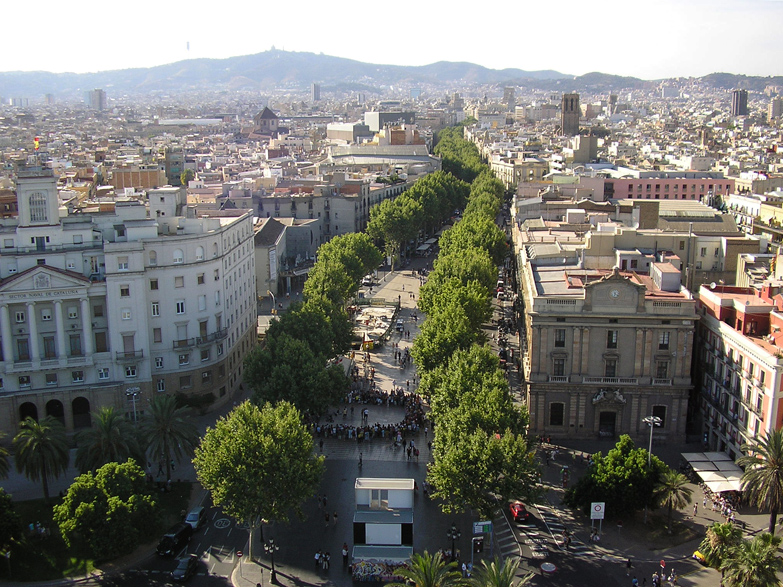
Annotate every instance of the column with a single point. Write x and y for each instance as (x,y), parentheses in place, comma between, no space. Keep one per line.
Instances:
(586,352)
(5,322)
(647,354)
(34,355)
(86,327)
(58,320)
(576,353)
(638,357)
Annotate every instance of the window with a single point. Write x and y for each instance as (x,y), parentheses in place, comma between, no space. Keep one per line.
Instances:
(206,377)
(73,312)
(20,318)
(205,355)
(219,349)
(184,359)
(78,239)
(662,369)
(97,311)
(634,263)
(122,263)
(51,379)
(159,362)
(155,306)
(703,252)
(103,373)
(178,256)
(157,335)
(161,385)
(8,243)
(610,368)
(217,274)
(556,414)
(202,303)
(46,314)
(126,314)
(560,336)
(663,341)
(24,381)
(77,376)
(49,348)
(217,298)
(200,279)
(125,291)
(153,258)
(38,212)
(100,342)
(75,341)
(611,339)
(558,367)
(199,253)
(682,245)
(181,307)
(130,371)
(179,281)
(660,412)
(153,284)
(185,382)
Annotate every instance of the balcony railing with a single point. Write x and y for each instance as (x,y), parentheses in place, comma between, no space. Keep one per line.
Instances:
(558,379)
(612,380)
(657,381)
(212,337)
(129,355)
(184,343)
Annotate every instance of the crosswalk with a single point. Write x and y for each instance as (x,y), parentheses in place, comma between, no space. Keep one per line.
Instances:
(556,526)
(505,539)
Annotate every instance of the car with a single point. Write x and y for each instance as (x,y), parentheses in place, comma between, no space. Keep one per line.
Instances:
(518,510)
(400,325)
(175,539)
(367,280)
(197,517)
(186,567)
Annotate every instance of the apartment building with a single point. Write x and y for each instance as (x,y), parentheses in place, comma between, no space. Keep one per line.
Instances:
(110,308)
(603,349)
(739,366)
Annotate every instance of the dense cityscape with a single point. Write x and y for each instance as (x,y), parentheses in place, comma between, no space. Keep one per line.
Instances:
(497,332)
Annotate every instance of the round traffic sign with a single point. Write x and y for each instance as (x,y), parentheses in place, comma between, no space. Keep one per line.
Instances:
(239,554)
(663,564)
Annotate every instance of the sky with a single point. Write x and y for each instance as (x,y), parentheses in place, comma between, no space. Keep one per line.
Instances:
(649,40)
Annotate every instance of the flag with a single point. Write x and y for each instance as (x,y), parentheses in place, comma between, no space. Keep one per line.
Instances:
(36,143)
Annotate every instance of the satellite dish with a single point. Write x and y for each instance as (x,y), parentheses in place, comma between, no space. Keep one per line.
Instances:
(712,285)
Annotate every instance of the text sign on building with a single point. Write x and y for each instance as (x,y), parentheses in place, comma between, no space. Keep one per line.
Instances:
(597,510)
(482,527)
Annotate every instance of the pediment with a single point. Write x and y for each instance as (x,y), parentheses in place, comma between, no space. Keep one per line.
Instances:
(43,282)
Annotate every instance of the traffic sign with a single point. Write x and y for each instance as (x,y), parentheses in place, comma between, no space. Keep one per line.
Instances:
(482,527)
(239,554)
(663,564)
(597,510)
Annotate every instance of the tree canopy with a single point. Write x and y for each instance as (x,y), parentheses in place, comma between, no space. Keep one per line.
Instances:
(112,439)
(472,298)
(168,430)
(41,450)
(258,463)
(106,510)
(762,480)
(10,522)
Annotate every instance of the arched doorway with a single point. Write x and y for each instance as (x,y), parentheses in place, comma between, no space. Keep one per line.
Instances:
(606,424)
(81,412)
(28,409)
(55,409)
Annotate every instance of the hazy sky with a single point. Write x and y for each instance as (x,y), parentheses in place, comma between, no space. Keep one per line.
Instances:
(662,38)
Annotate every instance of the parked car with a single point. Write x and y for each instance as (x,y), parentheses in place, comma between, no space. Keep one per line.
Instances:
(197,517)
(186,568)
(175,539)
(519,512)
(367,280)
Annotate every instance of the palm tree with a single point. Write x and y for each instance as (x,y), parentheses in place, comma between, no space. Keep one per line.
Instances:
(41,450)
(672,491)
(111,439)
(719,542)
(499,574)
(762,480)
(168,431)
(430,571)
(753,563)
(5,466)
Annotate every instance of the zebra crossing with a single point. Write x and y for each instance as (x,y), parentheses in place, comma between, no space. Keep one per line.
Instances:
(505,539)
(555,525)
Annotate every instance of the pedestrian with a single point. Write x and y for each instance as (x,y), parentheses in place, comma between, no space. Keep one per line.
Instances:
(324,498)
(334,516)
(321,445)
(429,445)
(425,432)
(628,568)
(320,503)
(317,558)
(634,582)
(704,503)
(326,520)
(345,554)
(695,509)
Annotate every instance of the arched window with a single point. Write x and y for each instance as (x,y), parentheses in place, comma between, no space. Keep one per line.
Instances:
(38,209)
(153,258)
(214,250)
(199,253)
(178,256)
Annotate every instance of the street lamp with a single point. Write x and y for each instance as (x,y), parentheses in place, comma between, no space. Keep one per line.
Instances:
(652,422)
(271,548)
(453,534)
(132,393)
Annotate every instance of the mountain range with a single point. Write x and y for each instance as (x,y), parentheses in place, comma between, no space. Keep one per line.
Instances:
(275,69)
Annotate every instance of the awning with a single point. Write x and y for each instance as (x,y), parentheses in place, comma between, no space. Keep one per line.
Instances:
(716,469)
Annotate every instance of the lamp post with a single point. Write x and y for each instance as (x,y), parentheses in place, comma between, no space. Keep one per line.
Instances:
(453,534)
(271,548)
(132,393)
(652,422)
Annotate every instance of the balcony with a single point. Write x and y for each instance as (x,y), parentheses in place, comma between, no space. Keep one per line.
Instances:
(211,337)
(558,379)
(611,380)
(129,355)
(657,381)
(185,343)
